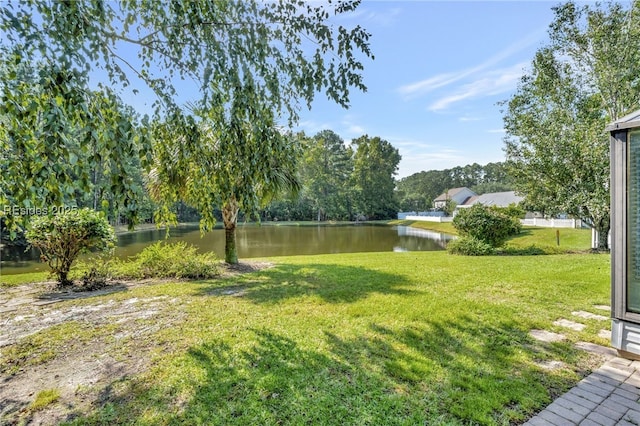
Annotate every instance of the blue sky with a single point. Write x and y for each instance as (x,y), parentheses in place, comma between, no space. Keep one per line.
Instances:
(440,69)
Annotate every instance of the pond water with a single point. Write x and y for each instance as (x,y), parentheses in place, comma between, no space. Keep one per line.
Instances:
(262,241)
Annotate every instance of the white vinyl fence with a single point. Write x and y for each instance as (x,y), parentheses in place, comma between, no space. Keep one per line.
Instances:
(552,223)
(430,218)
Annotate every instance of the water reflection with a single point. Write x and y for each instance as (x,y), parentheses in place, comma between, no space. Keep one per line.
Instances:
(265,241)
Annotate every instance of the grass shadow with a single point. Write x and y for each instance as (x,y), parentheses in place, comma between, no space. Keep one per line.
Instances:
(330,283)
(79,293)
(458,372)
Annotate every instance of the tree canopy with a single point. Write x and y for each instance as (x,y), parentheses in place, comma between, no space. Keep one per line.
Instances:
(588,75)
(375,165)
(254,63)
(326,171)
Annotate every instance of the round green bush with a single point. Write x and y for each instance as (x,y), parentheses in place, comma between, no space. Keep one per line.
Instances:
(486,224)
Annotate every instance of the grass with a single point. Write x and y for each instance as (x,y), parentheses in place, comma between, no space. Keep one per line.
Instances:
(444,227)
(18,279)
(375,338)
(44,398)
(371,338)
(531,240)
(571,240)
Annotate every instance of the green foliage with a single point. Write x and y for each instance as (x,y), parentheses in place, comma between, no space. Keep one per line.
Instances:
(556,147)
(162,260)
(449,207)
(61,238)
(417,192)
(486,224)
(233,161)
(375,165)
(254,63)
(326,172)
(289,209)
(63,144)
(219,45)
(470,246)
(512,210)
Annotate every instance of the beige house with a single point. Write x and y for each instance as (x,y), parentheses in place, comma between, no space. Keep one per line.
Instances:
(457,195)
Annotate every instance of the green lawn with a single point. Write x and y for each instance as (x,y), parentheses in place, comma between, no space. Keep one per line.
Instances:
(382,338)
(371,338)
(531,240)
(445,227)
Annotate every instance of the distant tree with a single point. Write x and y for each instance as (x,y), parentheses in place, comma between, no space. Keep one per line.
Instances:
(586,77)
(417,192)
(327,168)
(375,164)
(449,207)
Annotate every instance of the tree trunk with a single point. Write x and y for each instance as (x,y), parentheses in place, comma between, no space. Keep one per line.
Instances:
(602,229)
(230,219)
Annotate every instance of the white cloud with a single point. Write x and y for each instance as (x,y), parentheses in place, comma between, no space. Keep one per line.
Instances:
(351,127)
(496,131)
(467,118)
(419,155)
(311,127)
(430,84)
(487,84)
(367,16)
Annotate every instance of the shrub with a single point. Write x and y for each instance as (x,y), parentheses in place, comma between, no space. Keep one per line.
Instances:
(61,238)
(162,260)
(470,246)
(486,224)
(512,210)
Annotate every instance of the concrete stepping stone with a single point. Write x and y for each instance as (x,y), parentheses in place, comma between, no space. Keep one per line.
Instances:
(576,326)
(589,315)
(609,353)
(547,336)
(605,334)
(603,307)
(551,365)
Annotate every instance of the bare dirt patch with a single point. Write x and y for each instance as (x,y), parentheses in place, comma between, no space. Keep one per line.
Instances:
(98,342)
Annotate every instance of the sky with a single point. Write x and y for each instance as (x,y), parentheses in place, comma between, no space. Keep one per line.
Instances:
(440,70)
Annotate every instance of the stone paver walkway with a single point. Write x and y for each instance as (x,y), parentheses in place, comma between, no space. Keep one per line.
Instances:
(609,396)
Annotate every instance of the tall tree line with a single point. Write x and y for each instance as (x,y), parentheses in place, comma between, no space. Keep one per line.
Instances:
(417,192)
(340,181)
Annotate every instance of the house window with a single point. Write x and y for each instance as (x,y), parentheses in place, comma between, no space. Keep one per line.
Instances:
(633,224)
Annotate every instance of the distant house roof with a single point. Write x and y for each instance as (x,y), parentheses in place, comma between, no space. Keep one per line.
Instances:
(445,196)
(500,199)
